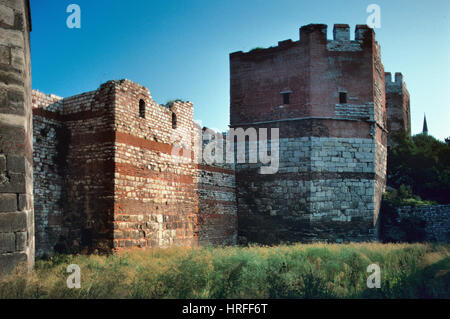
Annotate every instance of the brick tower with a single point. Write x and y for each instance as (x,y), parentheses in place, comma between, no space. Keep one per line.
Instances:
(327,97)
(397,106)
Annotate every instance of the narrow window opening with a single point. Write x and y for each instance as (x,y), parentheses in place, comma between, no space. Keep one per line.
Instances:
(142,108)
(174,121)
(286,97)
(342,97)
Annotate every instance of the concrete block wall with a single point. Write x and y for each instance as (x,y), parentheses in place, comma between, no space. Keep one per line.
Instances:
(16,171)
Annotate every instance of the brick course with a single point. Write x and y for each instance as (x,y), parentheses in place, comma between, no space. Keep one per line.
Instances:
(107,178)
(332,152)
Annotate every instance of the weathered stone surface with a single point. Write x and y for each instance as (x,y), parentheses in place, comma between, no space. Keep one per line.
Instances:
(13,222)
(434,222)
(8,202)
(15,136)
(114,181)
(9,261)
(24,202)
(7,242)
(16,164)
(332,151)
(21,241)
(13,183)
(2,163)
(5,54)
(6,15)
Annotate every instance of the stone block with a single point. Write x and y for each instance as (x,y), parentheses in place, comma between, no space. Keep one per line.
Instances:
(13,222)
(12,38)
(13,137)
(8,203)
(6,15)
(17,59)
(24,202)
(7,242)
(5,54)
(2,163)
(15,164)
(14,4)
(21,241)
(8,262)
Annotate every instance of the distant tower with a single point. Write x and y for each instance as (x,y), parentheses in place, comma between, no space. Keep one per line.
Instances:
(425,127)
(397,106)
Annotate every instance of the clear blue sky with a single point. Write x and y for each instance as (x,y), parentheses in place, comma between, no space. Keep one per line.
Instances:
(179,49)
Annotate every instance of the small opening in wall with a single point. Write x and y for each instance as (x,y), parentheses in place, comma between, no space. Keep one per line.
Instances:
(142,108)
(286,97)
(174,121)
(342,97)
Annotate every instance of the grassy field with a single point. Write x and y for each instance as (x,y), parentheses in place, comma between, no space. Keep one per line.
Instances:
(298,271)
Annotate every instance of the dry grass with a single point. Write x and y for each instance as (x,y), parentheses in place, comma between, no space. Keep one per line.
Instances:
(297,271)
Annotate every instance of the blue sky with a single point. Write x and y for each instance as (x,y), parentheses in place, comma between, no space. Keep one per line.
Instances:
(180,49)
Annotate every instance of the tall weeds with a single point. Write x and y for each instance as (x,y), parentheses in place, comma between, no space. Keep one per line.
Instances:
(297,271)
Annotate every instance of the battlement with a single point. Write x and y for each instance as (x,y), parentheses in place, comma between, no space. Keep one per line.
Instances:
(341,32)
(323,95)
(397,81)
(317,33)
(115,148)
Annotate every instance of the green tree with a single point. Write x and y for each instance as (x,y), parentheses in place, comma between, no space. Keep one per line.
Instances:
(421,163)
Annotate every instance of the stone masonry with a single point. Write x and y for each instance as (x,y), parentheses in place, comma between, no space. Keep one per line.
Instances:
(114,170)
(16,160)
(107,175)
(327,97)
(435,220)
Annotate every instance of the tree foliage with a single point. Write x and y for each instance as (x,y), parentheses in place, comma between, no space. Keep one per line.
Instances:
(421,163)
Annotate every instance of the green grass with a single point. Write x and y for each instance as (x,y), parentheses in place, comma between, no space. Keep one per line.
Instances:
(297,271)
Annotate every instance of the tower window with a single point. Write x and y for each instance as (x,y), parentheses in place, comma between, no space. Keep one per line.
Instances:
(342,97)
(286,97)
(174,121)
(142,108)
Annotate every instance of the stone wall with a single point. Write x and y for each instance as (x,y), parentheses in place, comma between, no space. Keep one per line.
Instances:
(434,222)
(332,150)
(16,171)
(217,217)
(323,191)
(73,156)
(156,201)
(115,170)
(48,180)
